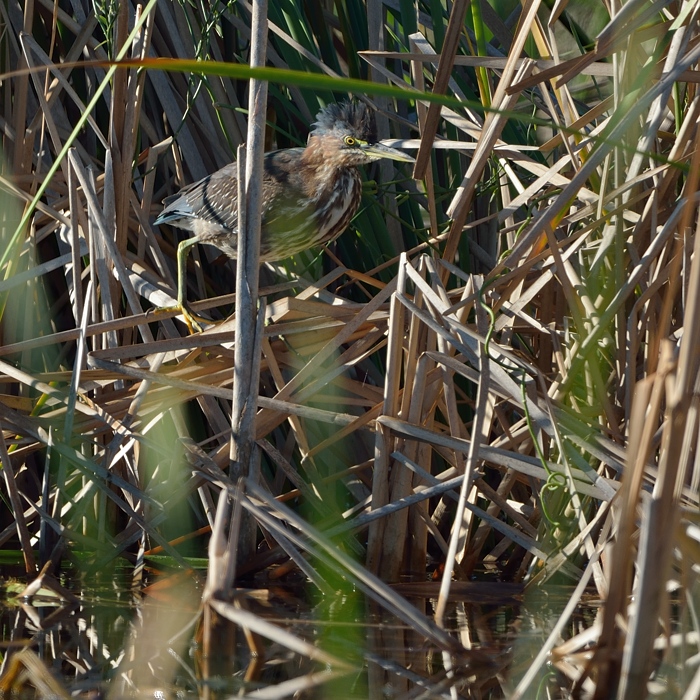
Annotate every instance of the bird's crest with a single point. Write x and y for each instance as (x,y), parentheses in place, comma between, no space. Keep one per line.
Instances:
(347,117)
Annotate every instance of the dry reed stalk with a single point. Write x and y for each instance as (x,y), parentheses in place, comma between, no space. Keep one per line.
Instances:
(447,57)
(589,266)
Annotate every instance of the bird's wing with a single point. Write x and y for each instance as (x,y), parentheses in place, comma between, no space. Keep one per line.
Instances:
(212,199)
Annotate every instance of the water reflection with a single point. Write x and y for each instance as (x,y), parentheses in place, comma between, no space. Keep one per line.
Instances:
(108,642)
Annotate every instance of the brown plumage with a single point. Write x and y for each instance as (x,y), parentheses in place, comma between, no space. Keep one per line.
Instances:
(310,194)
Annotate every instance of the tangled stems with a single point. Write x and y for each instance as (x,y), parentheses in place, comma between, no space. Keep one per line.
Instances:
(555,484)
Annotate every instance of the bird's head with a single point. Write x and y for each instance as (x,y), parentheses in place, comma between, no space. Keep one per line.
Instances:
(349,135)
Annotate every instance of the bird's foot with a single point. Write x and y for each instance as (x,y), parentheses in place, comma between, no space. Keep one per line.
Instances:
(196,324)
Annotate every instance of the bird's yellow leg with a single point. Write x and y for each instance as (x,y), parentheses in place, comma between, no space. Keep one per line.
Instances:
(194,322)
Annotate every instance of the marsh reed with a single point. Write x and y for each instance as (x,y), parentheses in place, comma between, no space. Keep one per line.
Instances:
(492,376)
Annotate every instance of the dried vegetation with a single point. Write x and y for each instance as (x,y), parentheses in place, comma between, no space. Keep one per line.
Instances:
(514,398)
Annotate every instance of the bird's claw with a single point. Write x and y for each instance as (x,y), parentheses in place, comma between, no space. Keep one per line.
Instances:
(196,324)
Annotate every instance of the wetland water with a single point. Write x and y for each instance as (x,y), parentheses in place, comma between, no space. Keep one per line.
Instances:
(108,641)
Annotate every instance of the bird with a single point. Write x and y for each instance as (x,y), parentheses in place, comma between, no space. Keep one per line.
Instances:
(309,194)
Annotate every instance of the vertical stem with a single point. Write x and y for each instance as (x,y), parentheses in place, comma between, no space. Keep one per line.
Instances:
(247,350)
(481,75)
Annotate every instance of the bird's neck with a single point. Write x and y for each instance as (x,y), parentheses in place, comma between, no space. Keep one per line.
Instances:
(326,173)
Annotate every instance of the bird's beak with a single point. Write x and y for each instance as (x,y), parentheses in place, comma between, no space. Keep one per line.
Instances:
(375,151)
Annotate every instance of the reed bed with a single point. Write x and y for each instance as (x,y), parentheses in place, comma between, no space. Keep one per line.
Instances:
(488,385)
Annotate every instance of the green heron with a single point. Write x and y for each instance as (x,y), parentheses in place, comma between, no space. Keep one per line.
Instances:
(310,194)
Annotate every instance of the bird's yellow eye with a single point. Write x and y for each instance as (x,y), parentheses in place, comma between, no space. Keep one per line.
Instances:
(349,141)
